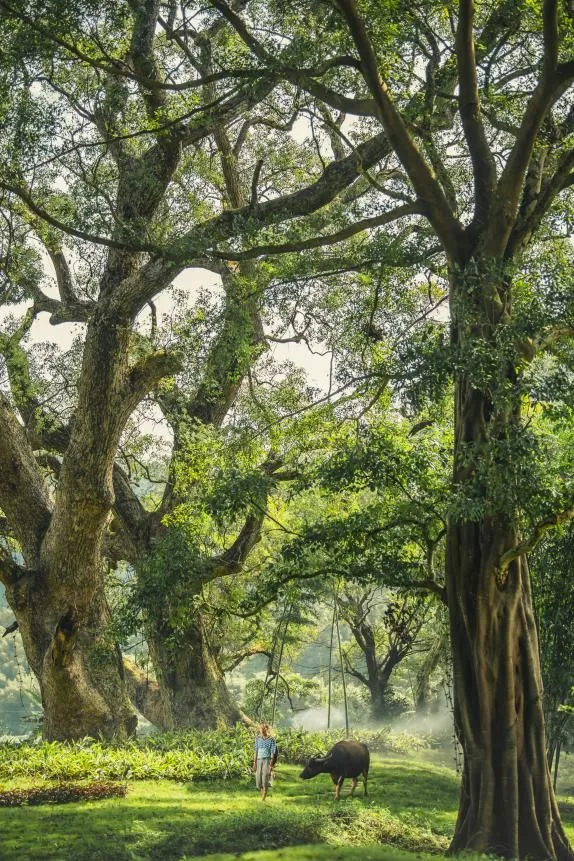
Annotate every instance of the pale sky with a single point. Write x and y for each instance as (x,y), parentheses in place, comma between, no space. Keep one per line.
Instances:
(191,280)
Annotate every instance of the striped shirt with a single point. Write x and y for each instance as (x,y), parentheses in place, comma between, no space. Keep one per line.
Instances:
(265,748)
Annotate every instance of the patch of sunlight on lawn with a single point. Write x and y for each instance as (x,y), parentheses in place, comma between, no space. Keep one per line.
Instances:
(411,808)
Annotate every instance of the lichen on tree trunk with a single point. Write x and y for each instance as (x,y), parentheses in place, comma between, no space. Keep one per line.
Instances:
(78,669)
(422,691)
(192,687)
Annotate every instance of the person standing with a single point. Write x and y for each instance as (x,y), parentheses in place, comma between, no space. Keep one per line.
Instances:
(264,758)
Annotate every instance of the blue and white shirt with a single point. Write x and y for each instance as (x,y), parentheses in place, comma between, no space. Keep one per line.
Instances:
(265,748)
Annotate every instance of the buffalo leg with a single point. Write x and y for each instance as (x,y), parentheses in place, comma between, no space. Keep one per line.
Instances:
(365,775)
(338,781)
(354,786)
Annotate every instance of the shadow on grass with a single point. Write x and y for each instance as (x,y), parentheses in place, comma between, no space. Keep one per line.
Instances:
(143,832)
(409,805)
(399,787)
(167,821)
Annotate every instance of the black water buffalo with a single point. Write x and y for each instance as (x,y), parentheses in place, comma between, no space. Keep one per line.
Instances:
(345,759)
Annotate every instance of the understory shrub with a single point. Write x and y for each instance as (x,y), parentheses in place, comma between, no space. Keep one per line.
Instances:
(195,755)
(61,793)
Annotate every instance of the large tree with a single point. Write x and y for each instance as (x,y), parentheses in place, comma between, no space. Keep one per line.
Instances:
(507,804)
(110,120)
(476,105)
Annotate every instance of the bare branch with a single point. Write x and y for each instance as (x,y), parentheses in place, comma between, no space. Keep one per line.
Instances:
(354,672)
(234,557)
(11,629)
(255,182)
(232,663)
(147,373)
(428,585)
(324,239)
(547,193)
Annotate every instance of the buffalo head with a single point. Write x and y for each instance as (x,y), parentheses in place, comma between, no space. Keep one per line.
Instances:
(313,767)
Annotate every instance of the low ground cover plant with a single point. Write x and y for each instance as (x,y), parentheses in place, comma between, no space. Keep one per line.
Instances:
(210,755)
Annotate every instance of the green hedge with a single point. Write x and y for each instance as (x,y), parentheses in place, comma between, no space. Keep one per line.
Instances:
(209,755)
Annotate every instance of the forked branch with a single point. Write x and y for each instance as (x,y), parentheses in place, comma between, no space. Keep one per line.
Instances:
(510,184)
(537,534)
(426,186)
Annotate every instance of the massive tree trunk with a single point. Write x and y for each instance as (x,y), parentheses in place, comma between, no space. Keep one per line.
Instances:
(59,599)
(192,688)
(78,669)
(378,690)
(507,803)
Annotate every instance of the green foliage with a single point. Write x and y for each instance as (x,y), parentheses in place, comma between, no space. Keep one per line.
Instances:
(181,759)
(376,506)
(198,756)
(165,580)
(296,694)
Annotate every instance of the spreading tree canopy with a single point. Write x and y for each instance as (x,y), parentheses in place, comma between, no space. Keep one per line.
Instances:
(453,139)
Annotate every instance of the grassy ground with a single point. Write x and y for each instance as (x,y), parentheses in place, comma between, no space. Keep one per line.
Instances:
(412,806)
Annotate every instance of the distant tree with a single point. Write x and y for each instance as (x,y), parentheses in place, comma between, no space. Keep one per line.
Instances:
(383,636)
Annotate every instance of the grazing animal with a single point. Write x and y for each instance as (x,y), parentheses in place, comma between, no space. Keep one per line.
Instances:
(345,759)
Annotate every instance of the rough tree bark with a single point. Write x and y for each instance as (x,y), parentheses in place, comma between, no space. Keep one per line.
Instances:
(58,599)
(190,684)
(192,688)
(507,802)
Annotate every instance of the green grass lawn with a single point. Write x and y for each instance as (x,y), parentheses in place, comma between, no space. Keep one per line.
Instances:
(411,806)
